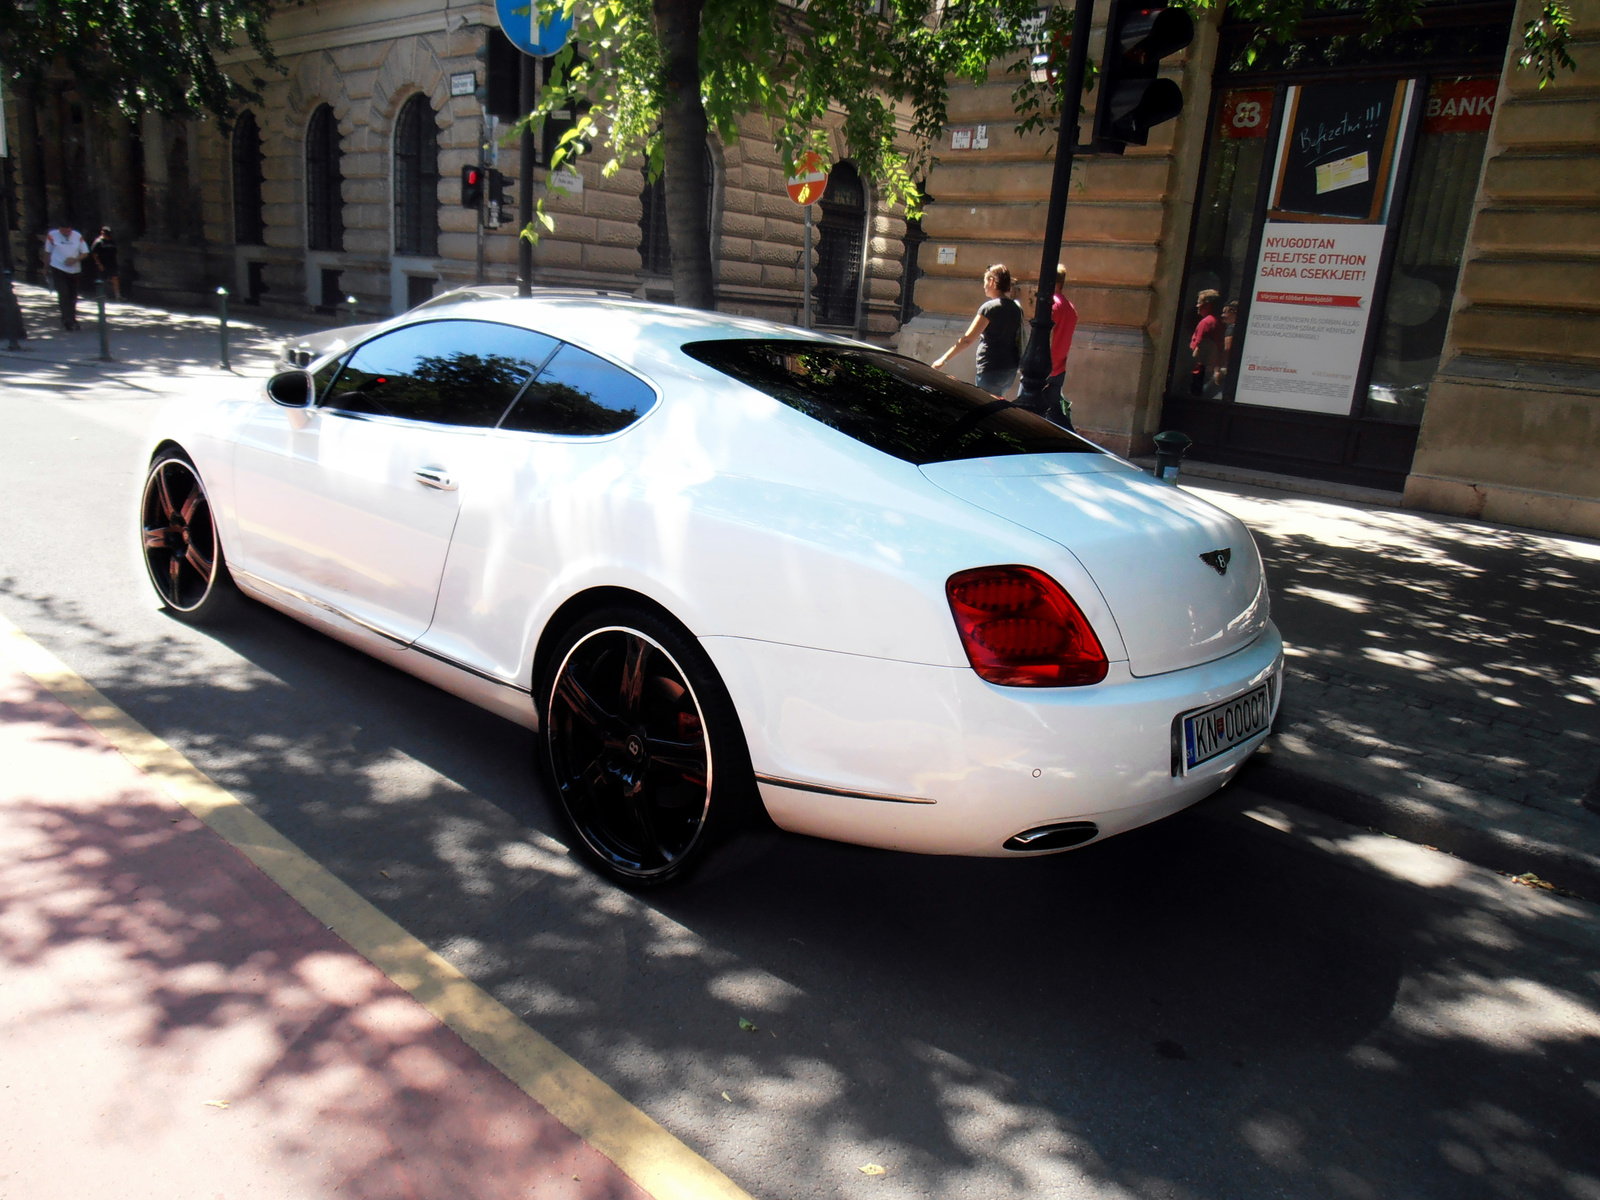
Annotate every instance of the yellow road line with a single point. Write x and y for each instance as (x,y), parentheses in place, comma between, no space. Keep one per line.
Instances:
(649,1155)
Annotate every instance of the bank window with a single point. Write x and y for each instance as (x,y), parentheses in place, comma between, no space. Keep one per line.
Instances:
(1218,268)
(1433,235)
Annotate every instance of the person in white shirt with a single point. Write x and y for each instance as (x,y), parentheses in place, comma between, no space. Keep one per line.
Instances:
(65,250)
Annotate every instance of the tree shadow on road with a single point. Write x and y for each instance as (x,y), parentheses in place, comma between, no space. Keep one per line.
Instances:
(1206,1007)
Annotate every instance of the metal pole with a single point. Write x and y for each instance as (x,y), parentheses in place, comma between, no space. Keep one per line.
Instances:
(350,303)
(100,316)
(527,99)
(222,322)
(1036,359)
(805,286)
(483,157)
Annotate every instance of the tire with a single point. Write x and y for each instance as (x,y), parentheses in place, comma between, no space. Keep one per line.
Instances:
(642,747)
(178,540)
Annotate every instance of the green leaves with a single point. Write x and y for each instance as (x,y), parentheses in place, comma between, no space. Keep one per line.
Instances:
(139,55)
(878,71)
(1544,43)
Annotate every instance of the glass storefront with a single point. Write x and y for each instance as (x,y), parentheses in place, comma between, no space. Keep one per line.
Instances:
(1333,210)
(1422,277)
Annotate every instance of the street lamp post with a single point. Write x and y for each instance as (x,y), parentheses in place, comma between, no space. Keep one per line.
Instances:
(1036,359)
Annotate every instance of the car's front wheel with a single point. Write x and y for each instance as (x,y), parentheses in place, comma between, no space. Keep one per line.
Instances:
(643,746)
(178,536)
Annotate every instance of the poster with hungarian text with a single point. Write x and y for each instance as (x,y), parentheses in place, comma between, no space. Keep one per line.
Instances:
(1308,316)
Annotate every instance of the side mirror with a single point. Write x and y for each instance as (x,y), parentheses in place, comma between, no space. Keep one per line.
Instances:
(292,389)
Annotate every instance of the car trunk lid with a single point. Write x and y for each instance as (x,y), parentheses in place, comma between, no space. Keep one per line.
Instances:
(1152,549)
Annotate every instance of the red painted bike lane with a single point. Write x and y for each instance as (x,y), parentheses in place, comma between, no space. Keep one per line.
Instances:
(174,1025)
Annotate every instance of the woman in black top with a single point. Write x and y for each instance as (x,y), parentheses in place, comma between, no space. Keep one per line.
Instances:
(104,253)
(998,331)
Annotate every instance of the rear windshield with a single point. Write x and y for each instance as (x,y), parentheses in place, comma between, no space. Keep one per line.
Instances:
(890,403)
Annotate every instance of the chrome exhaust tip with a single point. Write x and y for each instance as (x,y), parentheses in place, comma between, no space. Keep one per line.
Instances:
(1059,836)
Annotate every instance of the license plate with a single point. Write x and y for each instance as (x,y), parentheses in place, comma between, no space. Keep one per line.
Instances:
(1218,729)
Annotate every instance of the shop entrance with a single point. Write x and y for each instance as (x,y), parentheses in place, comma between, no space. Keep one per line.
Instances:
(1334,207)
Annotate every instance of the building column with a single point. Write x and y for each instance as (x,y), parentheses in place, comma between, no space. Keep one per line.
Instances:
(1513,415)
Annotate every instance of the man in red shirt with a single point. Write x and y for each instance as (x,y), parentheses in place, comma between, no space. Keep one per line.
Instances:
(1063,321)
(1206,344)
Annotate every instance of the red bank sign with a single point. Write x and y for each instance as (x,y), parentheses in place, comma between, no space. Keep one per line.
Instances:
(1462,106)
(1245,113)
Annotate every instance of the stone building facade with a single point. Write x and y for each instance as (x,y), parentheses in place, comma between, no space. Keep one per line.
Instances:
(1475,366)
(1469,374)
(365,61)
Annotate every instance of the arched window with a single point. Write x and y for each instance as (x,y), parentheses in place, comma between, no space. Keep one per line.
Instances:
(324,183)
(416,179)
(655,248)
(249,226)
(844,211)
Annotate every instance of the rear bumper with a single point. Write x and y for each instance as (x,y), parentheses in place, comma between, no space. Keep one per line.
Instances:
(934,760)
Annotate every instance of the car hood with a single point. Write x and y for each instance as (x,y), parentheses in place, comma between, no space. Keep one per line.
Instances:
(1140,540)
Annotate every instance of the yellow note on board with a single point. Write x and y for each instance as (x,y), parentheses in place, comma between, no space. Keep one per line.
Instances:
(1342,173)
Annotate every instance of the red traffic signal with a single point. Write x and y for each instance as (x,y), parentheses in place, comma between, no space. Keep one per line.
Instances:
(472,177)
(1133,97)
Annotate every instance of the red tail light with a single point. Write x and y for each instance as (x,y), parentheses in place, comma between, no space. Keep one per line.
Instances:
(1020,628)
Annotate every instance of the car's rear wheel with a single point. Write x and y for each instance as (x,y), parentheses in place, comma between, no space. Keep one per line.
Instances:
(178,536)
(643,747)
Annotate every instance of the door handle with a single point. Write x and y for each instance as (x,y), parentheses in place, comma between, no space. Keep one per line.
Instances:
(434,477)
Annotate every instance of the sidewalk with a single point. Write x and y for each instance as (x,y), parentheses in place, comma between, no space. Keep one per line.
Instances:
(150,347)
(1443,678)
(147,1040)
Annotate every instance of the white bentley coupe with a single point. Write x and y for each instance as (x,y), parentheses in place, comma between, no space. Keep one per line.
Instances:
(734,571)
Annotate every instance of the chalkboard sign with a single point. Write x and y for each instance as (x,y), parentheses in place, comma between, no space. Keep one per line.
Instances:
(1336,154)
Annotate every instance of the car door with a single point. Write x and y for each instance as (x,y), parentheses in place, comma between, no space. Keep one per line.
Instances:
(554,488)
(353,502)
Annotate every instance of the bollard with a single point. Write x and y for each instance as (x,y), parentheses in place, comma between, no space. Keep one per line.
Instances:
(350,303)
(100,319)
(222,319)
(11,312)
(1171,446)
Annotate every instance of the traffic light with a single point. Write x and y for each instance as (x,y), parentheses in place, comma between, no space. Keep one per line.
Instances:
(497,214)
(472,185)
(502,65)
(1133,97)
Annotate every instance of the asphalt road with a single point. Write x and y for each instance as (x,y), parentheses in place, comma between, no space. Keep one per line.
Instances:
(1222,1005)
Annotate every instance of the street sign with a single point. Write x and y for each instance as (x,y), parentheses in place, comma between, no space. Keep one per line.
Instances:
(807,187)
(516,19)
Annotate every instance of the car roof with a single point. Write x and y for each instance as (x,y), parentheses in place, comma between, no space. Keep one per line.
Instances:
(632,331)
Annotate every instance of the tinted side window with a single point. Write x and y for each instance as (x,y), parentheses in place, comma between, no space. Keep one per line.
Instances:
(893,404)
(448,372)
(324,376)
(579,394)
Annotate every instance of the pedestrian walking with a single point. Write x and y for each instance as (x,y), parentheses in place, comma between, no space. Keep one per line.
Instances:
(104,253)
(1063,322)
(65,250)
(1205,347)
(998,331)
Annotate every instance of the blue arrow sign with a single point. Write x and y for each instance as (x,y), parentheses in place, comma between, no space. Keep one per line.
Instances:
(516,19)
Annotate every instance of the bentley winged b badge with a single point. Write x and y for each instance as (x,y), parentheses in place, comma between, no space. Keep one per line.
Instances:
(1218,560)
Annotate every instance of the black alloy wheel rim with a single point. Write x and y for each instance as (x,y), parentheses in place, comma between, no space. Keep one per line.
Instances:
(180,541)
(629,751)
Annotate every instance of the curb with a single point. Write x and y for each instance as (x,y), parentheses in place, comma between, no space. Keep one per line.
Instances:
(1497,849)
